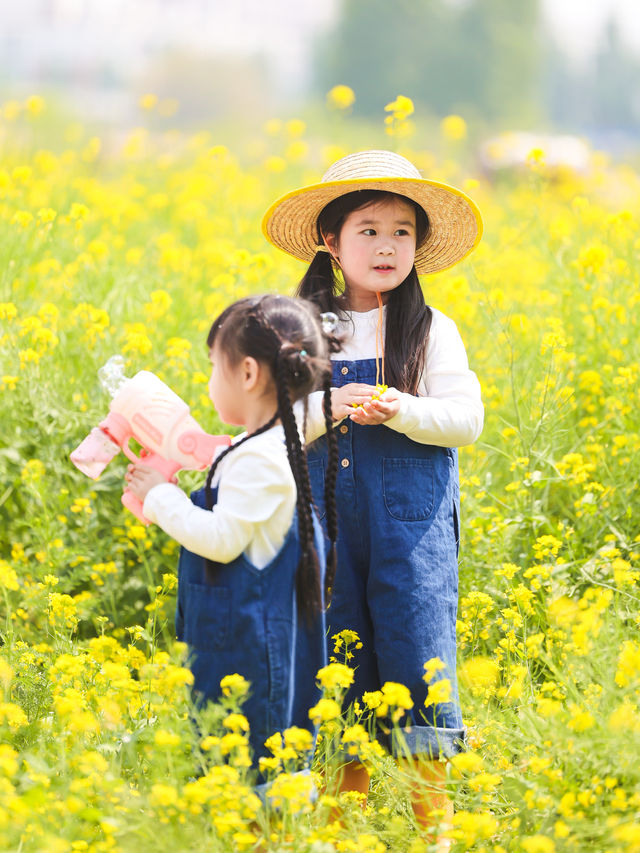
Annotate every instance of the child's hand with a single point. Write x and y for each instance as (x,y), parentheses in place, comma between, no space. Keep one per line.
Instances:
(377,411)
(141,479)
(345,398)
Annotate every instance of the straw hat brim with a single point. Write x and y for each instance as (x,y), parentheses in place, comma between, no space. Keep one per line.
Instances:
(455,224)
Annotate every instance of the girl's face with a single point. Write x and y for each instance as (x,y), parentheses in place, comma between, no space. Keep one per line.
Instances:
(223,389)
(376,250)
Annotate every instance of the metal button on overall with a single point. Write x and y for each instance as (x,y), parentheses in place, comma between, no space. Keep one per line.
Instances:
(344,429)
(345,463)
(344,371)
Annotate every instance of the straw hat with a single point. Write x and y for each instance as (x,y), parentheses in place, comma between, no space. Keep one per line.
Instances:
(455,225)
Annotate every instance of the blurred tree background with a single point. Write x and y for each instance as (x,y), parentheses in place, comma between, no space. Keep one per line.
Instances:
(482,58)
(490,60)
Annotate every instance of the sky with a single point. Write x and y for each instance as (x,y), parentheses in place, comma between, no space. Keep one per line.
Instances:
(578,24)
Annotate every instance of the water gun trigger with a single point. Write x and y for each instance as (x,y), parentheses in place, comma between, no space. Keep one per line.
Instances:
(128,452)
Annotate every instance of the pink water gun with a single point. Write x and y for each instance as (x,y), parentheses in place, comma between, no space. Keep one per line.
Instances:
(145,409)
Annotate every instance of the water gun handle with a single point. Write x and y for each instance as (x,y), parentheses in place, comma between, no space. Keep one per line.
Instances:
(166,467)
(134,505)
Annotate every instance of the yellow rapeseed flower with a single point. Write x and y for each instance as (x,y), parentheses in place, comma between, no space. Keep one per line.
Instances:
(23,218)
(479,674)
(295,128)
(236,723)
(592,259)
(467,762)
(355,737)
(581,719)
(275,164)
(272,127)
(6,674)
(234,685)
(453,128)
(394,696)
(397,123)
(12,715)
(165,738)
(46,215)
(148,102)
(62,610)
(431,667)
(136,340)
(484,781)
(8,382)
(34,105)
(629,834)
(470,827)
(11,110)
(300,740)
(335,675)
(548,707)
(9,763)
(244,840)
(324,710)
(163,795)
(8,576)
(439,692)
(293,790)
(372,699)
(159,303)
(628,670)
(340,97)
(401,108)
(79,211)
(536,157)
(538,844)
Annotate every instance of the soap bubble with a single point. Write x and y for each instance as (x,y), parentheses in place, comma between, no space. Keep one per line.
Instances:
(111,375)
(329,322)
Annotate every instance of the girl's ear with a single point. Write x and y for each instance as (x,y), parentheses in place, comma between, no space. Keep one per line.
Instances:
(249,372)
(331,242)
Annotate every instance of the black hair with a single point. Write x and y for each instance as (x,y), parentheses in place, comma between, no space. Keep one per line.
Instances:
(408,316)
(286,335)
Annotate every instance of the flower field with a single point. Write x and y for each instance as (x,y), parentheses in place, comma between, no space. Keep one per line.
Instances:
(132,246)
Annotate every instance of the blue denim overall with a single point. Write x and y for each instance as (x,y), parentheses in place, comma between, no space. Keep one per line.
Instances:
(397,577)
(246,622)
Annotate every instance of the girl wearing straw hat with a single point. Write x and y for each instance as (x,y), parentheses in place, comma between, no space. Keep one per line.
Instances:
(403,399)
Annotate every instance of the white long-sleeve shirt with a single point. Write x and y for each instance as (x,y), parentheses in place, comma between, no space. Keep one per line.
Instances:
(254,510)
(448,410)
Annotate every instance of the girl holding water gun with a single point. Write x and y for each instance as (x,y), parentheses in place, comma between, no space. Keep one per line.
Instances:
(403,398)
(251,577)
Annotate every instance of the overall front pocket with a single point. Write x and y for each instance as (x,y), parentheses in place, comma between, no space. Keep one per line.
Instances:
(408,488)
(207,616)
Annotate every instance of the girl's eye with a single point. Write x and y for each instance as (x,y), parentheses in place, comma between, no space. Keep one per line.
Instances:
(401,232)
(370,232)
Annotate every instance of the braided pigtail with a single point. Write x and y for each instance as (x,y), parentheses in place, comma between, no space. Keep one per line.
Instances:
(210,566)
(331,476)
(308,591)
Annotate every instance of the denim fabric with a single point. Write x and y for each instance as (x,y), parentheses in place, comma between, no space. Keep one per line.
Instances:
(246,622)
(397,577)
